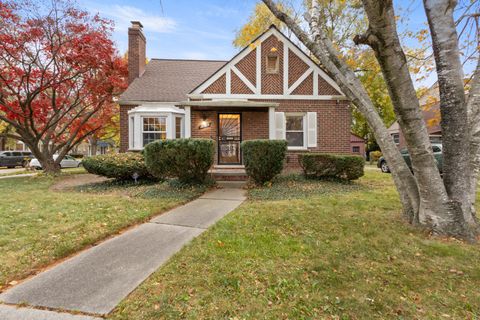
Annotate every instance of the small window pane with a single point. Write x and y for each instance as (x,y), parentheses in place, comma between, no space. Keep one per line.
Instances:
(295,123)
(396,138)
(272,64)
(178,127)
(356,149)
(295,139)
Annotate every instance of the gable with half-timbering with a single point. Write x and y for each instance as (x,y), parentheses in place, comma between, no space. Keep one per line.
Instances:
(272,67)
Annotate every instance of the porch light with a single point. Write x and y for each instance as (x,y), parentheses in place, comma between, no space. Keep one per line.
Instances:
(204,124)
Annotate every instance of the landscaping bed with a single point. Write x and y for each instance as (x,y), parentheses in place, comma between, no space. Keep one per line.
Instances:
(332,251)
(41,223)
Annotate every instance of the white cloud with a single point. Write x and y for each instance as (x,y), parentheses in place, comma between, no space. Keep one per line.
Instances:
(122,15)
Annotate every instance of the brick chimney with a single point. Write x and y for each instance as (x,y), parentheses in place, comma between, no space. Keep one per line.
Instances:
(136,51)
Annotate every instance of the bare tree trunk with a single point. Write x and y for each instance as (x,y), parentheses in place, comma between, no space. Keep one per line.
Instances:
(425,194)
(473,108)
(93,145)
(453,109)
(324,51)
(437,209)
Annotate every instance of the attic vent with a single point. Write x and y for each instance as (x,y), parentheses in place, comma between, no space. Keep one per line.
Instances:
(272,63)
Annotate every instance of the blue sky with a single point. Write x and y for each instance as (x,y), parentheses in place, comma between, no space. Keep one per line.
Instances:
(184,29)
(204,29)
(193,29)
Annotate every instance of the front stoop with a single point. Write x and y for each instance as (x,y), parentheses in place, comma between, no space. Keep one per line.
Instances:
(225,173)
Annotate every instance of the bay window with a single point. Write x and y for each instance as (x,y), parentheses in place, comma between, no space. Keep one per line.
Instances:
(154,128)
(150,122)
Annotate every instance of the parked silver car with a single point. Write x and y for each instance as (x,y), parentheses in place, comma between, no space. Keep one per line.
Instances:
(67,162)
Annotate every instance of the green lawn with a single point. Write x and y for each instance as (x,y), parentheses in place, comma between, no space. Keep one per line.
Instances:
(314,250)
(39,225)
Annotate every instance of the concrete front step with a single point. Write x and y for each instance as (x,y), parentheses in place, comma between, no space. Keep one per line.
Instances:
(228,174)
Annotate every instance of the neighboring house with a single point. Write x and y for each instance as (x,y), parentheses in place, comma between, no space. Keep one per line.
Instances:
(102,147)
(12,145)
(430,104)
(357,144)
(269,90)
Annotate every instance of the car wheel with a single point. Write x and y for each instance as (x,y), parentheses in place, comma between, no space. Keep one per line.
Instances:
(10,167)
(384,167)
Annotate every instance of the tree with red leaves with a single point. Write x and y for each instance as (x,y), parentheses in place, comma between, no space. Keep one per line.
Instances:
(59,74)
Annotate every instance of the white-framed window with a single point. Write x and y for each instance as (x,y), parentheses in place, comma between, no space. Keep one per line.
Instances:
(154,128)
(148,123)
(179,127)
(396,138)
(295,130)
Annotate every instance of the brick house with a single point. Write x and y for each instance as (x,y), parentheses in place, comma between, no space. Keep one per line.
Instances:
(269,90)
(358,145)
(430,105)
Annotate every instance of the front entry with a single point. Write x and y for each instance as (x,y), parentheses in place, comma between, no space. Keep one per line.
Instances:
(229,138)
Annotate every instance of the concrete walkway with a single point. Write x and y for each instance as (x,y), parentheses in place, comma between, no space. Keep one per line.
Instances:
(96,280)
(13,313)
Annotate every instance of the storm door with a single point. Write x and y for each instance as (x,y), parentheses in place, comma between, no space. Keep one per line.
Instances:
(229,138)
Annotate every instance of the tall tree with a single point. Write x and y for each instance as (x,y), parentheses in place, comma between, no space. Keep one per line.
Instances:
(259,21)
(59,71)
(426,198)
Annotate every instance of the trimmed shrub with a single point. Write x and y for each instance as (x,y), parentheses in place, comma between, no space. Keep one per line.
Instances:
(321,165)
(263,159)
(185,159)
(374,156)
(121,166)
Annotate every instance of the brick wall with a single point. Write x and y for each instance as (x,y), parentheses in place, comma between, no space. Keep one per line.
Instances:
(248,66)
(333,126)
(218,86)
(333,131)
(136,52)
(124,127)
(254,125)
(272,83)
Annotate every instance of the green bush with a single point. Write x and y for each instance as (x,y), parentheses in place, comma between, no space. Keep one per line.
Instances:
(186,159)
(121,166)
(374,156)
(321,165)
(263,159)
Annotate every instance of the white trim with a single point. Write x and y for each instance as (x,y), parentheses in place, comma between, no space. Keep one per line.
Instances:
(268,97)
(315,82)
(299,81)
(287,45)
(244,79)
(271,123)
(258,65)
(188,122)
(156,108)
(285,68)
(228,81)
(302,55)
(312,132)
(280,123)
(131,131)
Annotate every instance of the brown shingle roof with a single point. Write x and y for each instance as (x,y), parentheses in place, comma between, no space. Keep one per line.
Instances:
(169,80)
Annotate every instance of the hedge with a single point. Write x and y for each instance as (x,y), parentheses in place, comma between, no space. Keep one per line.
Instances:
(263,159)
(121,166)
(186,159)
(321,165)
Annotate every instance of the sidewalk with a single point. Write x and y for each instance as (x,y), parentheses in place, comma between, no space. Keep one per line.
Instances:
(96,280)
